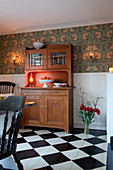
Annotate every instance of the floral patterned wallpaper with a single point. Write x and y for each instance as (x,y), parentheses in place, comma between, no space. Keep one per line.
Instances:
(95,38)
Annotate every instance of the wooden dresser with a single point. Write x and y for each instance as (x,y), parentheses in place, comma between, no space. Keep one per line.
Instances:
(54,104)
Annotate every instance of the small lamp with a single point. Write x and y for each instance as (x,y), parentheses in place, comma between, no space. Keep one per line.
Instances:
(91,55)
(15,59)
(31,80)
(111,69)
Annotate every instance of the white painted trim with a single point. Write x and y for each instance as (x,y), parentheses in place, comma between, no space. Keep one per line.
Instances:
(88,74)
(57,26)
(92,126)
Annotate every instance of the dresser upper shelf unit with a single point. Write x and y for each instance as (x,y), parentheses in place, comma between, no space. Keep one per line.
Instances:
(52,61)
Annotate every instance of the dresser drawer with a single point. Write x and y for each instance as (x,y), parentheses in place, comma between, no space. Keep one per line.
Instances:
(56,92)
(32,92)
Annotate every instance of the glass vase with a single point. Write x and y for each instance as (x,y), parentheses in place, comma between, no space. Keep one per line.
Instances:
(86,129)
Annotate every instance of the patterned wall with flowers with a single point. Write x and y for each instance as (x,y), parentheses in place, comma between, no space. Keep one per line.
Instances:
(96,38)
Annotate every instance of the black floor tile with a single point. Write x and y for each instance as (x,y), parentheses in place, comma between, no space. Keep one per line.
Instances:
(54,130)
(88,163)
(64,147)
(45,168)
(21,140)
(95,140)
(70,138)
(92,150)
(34,128)
(55,158)
(27,154)
(37,144)
(48,136)
(25,134)
(97,132)
(76,130)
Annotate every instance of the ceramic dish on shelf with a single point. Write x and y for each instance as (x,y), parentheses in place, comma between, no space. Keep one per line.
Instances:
(45,81)
(59,84)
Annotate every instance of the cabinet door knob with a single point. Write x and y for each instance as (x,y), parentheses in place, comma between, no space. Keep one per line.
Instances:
(54,91)
(45,107)
(48,57)
(44,57)
(41,106)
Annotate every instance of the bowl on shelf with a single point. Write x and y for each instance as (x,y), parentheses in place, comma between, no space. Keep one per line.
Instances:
(38,44)
(45,81)
(59,84)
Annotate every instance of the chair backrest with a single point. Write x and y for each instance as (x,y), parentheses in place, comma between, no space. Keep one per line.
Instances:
(13,105)
(6,87)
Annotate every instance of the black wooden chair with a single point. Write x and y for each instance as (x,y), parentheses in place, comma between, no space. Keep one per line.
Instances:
(8,141)
(6,87)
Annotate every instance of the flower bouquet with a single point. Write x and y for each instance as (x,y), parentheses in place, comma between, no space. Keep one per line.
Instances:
(88,109)
(87,114)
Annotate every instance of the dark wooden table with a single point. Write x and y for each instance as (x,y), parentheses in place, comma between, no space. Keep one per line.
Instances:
(29,104)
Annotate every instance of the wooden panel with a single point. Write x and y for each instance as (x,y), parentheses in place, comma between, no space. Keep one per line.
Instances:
(55,111)
(34,114)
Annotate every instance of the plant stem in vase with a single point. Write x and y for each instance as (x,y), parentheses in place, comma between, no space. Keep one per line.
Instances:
(86,129)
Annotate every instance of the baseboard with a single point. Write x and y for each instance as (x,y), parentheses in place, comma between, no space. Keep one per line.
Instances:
(92,126)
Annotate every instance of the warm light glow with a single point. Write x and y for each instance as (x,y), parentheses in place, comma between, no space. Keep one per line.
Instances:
(15,59)
(111,69)
(91,54)
(31,79)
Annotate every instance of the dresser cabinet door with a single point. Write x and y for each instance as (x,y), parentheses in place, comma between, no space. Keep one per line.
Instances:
(36,59)
(55,111)
(58,58)
(33,115)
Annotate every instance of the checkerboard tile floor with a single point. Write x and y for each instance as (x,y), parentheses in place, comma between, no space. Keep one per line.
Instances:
(47,149)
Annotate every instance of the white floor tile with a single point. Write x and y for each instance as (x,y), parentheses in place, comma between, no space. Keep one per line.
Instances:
(34,163)
(33,138)
(102,157)
(84,136)
(81,154)
(19,136)
(102,146)
(104,137)
(9,162)
(46,150)
(66,166)
(41,132)
(80,143)
(63,133)
(23,146)
(55,141)
(75,154)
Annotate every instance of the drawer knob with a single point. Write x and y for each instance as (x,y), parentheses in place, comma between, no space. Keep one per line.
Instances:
(54,91)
